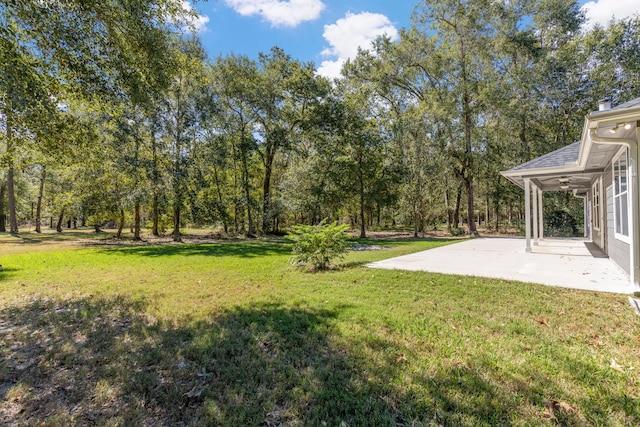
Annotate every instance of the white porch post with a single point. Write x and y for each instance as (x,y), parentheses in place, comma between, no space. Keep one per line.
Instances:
(634,212)
(535,215)
(601,213)
(540,216)
(585,225)
(527,214)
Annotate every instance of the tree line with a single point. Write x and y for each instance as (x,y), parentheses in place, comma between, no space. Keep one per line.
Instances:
(114,113)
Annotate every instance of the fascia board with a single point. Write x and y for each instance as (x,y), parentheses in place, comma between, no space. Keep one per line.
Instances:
(570,168)
(613,116)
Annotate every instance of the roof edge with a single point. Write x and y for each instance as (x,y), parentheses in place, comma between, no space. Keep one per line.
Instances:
(571,167)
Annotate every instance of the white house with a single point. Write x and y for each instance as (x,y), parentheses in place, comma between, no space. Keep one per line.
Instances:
(601,168)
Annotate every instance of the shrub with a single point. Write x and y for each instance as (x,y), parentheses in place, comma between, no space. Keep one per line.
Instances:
(561,223)
(456,231)
(315,246)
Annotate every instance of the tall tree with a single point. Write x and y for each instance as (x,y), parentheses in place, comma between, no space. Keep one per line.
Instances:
(181,119)
(286,89)
(235,80)
(464,35)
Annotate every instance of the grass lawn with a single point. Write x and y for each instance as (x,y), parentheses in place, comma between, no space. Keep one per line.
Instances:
(229,334)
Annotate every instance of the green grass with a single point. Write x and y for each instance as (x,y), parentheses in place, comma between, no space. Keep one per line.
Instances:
(230,334)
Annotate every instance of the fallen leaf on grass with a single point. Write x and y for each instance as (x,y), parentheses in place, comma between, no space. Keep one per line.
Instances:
(276,417)
(194,392)
(614,365)
(401,358)
(549,413)
(554,405)
(564,406)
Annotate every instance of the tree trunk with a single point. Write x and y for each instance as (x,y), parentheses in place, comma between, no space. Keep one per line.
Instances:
(223,213)
(155,177)
(176,224)
(266,195)
(456,209)
(136,221)
(471,223)
(447,206)
(487,212)
(11,195)
(247,194)
(154,216)
(468,159)
(363,233)
(237,192)
(177,201)
(3,215)
(60,219)
(120,224)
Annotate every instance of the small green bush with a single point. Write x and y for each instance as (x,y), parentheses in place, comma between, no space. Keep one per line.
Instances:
(560,223)
(315,246)
(456,231)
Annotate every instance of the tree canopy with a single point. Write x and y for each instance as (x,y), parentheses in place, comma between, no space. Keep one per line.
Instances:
(110,111)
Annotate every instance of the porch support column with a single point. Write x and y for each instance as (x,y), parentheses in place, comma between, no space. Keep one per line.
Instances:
(634,208)
(535,215)
(527,214)
(586,225)
(540,216)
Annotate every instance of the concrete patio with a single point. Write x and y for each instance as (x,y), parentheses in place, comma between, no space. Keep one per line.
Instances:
(569,263)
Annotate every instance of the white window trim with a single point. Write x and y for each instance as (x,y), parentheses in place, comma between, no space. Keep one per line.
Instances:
(596,209)
(618,236)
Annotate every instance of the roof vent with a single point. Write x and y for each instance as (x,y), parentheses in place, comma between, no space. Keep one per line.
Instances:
(604,104)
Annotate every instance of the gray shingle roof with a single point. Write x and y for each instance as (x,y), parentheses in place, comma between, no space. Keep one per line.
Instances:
(629,104)
(560,157)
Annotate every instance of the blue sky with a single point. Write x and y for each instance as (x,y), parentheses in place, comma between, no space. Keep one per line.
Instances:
(326,32)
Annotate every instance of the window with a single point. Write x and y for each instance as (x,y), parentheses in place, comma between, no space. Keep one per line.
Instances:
(595,203)
(621,195)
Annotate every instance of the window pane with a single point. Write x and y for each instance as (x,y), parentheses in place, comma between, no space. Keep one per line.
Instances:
(617,214)
(624,215)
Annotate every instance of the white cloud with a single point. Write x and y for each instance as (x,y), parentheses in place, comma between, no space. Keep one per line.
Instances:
(601,11)
(196,23)
(279,13)
(350,33)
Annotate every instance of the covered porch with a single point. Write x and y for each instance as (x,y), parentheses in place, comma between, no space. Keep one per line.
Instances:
(557,171)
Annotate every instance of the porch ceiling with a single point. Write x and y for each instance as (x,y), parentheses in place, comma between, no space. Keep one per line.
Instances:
(579,182)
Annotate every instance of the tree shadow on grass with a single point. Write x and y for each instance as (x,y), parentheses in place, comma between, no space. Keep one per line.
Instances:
(104,361)
(233,249)
(8,273)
